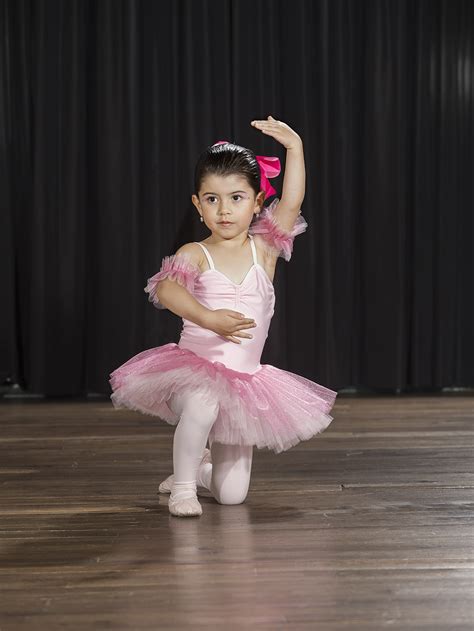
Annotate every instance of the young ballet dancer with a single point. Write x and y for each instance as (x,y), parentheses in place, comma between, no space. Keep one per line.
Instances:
(211,384)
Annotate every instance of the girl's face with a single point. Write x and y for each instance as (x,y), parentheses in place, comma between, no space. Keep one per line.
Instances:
(227,204)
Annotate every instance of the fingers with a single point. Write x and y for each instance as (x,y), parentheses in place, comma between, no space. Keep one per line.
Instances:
(269,121)
(245,323)
(235,337)
(232,339)
(243,334)
(239,327)
(241,320)
(238,330)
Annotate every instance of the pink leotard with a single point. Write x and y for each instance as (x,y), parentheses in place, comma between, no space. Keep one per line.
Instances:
(254,297)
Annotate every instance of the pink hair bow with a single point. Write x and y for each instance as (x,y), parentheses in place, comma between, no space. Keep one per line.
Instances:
(269,167)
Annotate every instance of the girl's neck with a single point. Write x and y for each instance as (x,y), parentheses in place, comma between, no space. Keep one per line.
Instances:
(236,242)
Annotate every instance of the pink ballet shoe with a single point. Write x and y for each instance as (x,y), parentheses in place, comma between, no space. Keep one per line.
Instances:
(185,507)
(183,501)
(165,486)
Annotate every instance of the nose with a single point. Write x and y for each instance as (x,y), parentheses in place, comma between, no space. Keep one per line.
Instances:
(222,209)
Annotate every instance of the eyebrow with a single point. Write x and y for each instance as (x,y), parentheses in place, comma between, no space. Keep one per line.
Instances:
(233,193)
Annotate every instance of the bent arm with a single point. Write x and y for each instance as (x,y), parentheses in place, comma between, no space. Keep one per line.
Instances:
(177,299)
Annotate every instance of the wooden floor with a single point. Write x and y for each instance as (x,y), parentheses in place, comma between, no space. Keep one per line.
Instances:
(368,526)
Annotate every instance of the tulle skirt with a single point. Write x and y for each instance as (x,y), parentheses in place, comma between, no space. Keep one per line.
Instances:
(270,408)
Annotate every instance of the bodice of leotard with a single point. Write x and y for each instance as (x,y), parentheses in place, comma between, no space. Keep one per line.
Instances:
(254,297)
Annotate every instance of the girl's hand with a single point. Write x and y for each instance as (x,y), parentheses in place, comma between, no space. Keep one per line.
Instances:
(229,324)
(280,131)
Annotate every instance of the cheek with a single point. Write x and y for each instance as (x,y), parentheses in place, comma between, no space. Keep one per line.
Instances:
(245,204)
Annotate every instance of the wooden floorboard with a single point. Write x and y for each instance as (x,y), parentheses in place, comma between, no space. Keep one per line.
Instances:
(367,526)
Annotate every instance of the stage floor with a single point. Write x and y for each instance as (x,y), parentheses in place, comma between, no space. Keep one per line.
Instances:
(367,526)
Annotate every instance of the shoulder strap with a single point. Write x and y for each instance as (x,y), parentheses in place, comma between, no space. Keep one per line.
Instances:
(208,256)
(254,251)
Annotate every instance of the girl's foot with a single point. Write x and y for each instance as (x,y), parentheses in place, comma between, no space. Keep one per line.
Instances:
(183,501)
(166,485)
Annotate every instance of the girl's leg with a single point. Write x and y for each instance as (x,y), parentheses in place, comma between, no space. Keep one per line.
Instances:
(228,477)
(197,417)
(176,404)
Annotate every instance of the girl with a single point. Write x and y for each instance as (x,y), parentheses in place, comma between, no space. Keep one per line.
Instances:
(211,384)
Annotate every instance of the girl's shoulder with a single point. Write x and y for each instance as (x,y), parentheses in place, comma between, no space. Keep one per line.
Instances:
(273,236)
(193,253)
(183,267)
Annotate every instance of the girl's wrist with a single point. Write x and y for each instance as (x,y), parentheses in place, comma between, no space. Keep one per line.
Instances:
(205,317)
(297,145)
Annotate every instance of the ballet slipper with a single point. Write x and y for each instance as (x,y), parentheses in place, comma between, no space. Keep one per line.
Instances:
(183,501)
(165,486)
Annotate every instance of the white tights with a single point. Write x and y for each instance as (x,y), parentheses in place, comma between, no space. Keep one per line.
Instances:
(228,477)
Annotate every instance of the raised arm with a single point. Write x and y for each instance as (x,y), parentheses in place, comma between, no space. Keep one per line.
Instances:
(294,181)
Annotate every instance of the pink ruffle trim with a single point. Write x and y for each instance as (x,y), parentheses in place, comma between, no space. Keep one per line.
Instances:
(177,267)
(277,239)
(271,408)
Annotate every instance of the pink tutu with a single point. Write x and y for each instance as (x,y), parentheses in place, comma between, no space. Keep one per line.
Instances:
(270,408)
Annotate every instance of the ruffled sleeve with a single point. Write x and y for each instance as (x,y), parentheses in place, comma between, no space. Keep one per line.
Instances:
(177,267)
(276,239)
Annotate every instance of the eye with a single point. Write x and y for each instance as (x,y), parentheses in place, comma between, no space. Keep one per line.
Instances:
(212,197)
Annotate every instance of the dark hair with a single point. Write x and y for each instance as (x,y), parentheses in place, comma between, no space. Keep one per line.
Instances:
(228,159)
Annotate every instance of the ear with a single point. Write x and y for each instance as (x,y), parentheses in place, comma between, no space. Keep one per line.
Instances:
(260,199)
(195,201)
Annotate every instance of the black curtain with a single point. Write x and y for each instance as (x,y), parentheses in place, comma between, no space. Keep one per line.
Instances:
(106,105)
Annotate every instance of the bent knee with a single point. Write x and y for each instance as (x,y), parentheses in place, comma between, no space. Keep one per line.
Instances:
(231,496)
(198,410)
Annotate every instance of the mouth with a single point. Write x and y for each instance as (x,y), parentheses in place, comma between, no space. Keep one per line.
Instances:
(225,223)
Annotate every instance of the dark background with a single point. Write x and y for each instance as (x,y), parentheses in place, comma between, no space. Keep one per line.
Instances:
(105,107)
